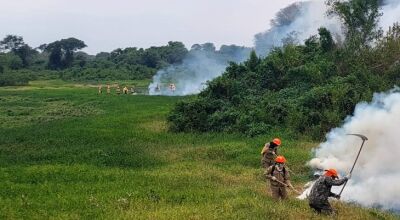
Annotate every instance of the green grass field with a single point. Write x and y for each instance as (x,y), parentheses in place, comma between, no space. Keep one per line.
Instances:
(68,153)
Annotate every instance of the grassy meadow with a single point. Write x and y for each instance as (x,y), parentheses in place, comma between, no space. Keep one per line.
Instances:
(68,153)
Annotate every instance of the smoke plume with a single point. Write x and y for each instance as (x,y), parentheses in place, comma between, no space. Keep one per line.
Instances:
(296,23)
(202,63)
(376,177)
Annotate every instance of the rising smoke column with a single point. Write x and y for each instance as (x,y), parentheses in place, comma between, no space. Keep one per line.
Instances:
(376,177)
(203,63)
(301,20)
(189,77)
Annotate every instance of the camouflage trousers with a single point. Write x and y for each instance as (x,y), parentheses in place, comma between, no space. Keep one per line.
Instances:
(324,208)
(278,192)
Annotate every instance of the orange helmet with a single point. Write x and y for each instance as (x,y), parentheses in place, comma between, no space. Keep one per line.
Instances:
(331,173)
(280,159)
(277,141)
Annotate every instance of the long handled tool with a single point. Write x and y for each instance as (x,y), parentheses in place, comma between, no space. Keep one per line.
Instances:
(288,186)
(352,168)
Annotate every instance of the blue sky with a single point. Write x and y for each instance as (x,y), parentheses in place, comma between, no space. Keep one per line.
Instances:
(107,25)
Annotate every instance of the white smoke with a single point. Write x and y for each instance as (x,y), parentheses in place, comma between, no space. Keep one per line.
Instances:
(189,77)
(391,13)
(310,16)
(376,178)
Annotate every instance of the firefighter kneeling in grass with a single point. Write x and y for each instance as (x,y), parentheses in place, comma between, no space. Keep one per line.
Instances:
(321,191)
(279,177)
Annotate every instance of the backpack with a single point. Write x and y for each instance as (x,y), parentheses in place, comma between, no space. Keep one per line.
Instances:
(283,170)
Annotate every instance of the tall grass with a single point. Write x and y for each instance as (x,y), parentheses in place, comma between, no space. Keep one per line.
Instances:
(111,157)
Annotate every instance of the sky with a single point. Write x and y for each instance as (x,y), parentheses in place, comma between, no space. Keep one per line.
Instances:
(105,25)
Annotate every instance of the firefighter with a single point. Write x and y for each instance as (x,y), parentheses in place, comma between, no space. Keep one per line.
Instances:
(125,90)
(118,90)
(269,152)
(321,191)
(108,89)
(279,177)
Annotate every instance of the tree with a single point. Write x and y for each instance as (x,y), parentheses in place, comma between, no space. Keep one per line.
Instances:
(55,56)
(11,42)
(210,47)
(291,38)
(175,52)
(42,47)
(62,52)
(16,45)
(253,61)
(360,19)
(325,39)
(287,15)
(71,45)
(103,55)
(151,58)
(26,53)
(196,47)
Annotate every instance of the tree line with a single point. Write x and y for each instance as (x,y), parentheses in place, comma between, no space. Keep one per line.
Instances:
(19,62)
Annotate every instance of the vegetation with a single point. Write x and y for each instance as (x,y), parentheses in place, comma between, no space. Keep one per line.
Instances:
(63,59)
(68,153)
(305,89)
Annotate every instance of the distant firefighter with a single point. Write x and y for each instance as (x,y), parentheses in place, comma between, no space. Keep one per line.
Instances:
(118,90)
(125,90)
(100,89)
(172,87)
(108,89)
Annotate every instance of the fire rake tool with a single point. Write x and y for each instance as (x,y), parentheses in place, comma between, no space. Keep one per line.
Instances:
(288,186)
(363,138)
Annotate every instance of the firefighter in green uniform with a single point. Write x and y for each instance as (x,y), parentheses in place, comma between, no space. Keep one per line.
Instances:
(321,191)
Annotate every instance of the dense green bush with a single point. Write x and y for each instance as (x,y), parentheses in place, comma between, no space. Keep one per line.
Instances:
(307,89)
(14,79)
(112,72)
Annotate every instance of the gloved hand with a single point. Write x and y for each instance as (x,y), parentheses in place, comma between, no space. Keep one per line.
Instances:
(348,176)
(273,178)
(337,197)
